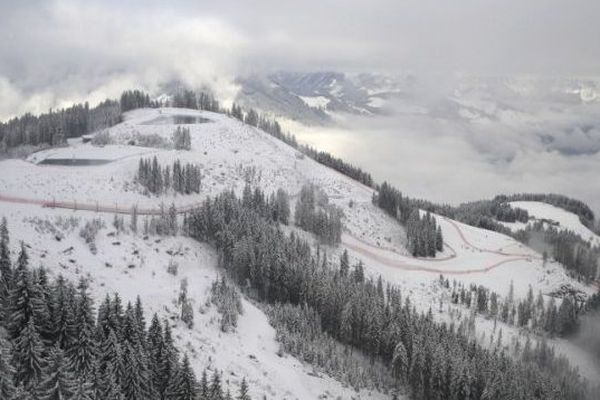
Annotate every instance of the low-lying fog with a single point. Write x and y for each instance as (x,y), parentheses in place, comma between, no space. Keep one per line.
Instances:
(470,145)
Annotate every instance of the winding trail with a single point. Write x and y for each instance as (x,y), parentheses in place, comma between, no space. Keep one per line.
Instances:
(374,253)
(392,250)
(356,244)
(468,243)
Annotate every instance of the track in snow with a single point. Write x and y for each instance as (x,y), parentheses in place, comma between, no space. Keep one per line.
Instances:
(362,247)
(468,243)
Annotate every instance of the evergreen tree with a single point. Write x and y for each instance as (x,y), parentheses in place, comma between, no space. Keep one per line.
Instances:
(140,321)
(59,382)
(439,240)
(22,394)
(83,351)
(204,389)
(111,356)
(136,384)
(243,395)
(25,302)
(251,118)
(63,314)
(400,361)
(83,391)
(6,273)
(7,388)
(28,356)
(216,390)
(168,363)
(110,388)
(344,263)
(184,386)
(134,219)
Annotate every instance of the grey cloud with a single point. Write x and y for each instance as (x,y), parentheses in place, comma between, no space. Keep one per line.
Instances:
(58,51)
(61,50)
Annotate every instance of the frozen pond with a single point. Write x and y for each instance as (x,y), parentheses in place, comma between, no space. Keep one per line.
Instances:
(74,162)
(177,120)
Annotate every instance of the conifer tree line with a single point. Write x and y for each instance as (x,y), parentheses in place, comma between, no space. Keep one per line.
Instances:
(134,99)
(338,164)
(53,346)
(182,139)
(263,122)
(156,179)
(183,98)
(56,126)
(164,224)
(272,127)
(29,130)
(433,359)
(503,211)
(196,101)
(226,297)
(300,334)
(533,312)
(424,235)
(572,251)
(577,207)
(314,214)
(576,254)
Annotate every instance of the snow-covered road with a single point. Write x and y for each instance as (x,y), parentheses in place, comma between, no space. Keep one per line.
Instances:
(349,241)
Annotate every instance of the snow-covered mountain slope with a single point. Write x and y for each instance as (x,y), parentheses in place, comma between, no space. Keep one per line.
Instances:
(133,265)
(313,97)
(557,217)
(231,154)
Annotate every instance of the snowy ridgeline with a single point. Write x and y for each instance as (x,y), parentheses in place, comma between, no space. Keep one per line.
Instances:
(233,156)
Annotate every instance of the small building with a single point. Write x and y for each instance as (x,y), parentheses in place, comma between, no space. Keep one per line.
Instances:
(86,138)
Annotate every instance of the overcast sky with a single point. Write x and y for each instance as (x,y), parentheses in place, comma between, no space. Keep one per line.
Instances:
(54,52)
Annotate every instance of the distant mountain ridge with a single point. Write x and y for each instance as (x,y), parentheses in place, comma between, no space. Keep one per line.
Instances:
(312,97)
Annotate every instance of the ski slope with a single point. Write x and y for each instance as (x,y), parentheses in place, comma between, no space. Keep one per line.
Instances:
(232,154)
(566,220)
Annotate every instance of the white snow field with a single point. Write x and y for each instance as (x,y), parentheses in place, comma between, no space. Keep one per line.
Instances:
(131,265)
(231,154)
(315,101)
(566,220)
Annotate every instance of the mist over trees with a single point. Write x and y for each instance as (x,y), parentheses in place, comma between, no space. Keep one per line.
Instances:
(569,249)
(559,316)
(133,99)
(56,126)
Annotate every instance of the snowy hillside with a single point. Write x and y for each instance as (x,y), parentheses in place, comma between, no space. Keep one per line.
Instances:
(314,97)
(231,154)
(558,217)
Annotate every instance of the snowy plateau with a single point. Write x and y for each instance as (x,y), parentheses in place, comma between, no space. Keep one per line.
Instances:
(230,155)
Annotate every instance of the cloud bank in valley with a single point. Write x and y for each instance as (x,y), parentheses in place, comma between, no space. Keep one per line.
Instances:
(462,149)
